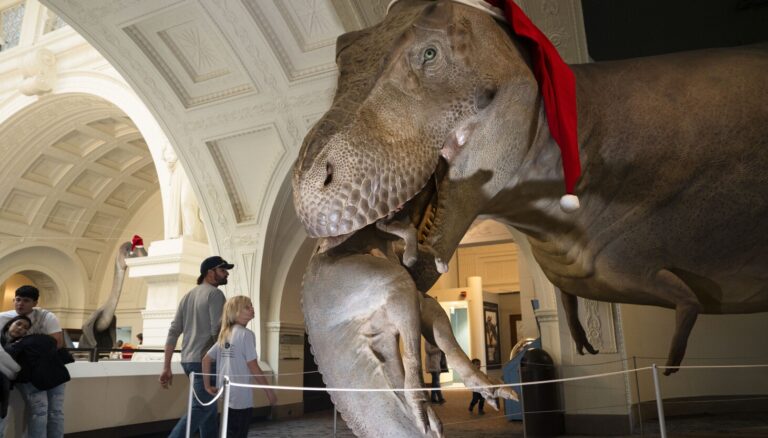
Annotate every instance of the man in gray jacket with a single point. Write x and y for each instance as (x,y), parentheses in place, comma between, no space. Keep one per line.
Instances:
(199,319)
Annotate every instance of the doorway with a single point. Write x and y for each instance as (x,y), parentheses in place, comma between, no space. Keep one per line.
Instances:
(458,314)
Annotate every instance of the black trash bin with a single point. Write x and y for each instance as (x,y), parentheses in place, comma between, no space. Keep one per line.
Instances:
(542,414)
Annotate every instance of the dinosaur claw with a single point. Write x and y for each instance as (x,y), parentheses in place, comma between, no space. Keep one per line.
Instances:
(581,346)
(435,425)
(670,371)
(508,393)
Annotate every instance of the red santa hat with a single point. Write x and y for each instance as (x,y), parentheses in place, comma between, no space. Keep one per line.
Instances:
(557,85)
(136,241)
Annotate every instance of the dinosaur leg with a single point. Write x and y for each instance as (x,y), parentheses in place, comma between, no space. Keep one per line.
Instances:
(436,327)
(402,310)
(386,346)
(571,306)
(687,309)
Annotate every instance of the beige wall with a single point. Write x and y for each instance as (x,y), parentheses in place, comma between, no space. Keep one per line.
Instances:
(9,289)
(715,340)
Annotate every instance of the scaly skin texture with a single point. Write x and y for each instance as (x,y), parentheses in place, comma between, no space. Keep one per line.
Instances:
(674,193)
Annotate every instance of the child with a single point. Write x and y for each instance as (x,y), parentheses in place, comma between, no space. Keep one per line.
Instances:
(235,356)
(477,398)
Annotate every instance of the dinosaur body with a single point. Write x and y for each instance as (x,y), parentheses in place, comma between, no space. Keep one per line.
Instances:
(438,119)
(99,330)
(360,305)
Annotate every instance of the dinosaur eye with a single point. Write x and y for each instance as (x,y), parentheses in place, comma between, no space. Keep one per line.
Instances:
(430,54)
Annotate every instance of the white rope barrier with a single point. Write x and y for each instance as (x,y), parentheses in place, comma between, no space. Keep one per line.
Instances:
(477,388)
(473,388)
(225,390)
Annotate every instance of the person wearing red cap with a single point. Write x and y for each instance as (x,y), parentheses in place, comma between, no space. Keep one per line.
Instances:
(199,319)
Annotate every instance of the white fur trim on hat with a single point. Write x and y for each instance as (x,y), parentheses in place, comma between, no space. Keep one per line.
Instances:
(569,203)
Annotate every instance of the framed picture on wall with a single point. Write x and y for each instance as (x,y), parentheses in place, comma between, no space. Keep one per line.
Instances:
(492,347)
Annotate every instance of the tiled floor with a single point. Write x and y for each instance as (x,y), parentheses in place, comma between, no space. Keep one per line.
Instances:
(459,423)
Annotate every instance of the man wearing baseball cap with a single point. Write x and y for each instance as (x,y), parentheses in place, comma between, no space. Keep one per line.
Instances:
(199,319)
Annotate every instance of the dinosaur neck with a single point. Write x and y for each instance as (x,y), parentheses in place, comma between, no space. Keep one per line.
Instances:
(530,200)
(109,308)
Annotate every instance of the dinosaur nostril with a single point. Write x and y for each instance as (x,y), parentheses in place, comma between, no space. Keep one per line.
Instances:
(328,174)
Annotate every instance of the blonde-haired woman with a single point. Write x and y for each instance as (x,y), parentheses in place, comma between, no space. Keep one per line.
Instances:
(235,356)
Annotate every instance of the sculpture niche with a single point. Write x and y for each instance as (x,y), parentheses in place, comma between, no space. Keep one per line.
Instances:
(99,330)
(438,118)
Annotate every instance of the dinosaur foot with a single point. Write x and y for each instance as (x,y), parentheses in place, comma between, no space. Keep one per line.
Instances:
(672,367)
(426,419)
(491,395)
(585,345)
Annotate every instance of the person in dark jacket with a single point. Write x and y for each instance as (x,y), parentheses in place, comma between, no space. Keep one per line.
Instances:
(13,330)
(42,364)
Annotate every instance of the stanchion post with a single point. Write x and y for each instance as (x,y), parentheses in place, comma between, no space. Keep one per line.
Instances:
(659,403)
(189,402)
(522,399)
(225,409)
(639,402)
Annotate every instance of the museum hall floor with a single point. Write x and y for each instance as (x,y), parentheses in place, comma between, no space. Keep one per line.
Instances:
(459,423)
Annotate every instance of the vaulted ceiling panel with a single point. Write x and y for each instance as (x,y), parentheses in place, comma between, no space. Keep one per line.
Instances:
(64,217)
(114,126)
(124,196)
(78,143)
(89,184)
(191,56)
(47,170)
(90,260)
(102,226)
(21,206)
(240,175)
(119,159)
(302,34)
(147,173)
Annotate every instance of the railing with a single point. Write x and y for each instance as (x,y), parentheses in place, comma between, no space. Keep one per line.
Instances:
(110,354)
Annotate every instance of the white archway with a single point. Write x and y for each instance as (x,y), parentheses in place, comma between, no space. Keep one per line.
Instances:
(63,280)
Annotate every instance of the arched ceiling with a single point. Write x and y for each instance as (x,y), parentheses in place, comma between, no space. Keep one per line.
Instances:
(236,84)
(77,171)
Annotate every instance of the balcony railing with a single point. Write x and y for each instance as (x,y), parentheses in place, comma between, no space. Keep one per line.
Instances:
(110,354)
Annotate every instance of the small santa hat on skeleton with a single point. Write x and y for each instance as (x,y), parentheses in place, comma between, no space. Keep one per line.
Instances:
(557,85)
(136,242)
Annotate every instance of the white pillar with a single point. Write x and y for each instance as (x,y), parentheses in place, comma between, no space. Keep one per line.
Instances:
(170,270)
(476,320)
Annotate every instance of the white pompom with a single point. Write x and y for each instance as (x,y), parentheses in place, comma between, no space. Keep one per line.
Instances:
(569,203)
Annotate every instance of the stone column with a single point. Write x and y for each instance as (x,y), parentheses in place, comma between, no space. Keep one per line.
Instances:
(170,270)
(476,320)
